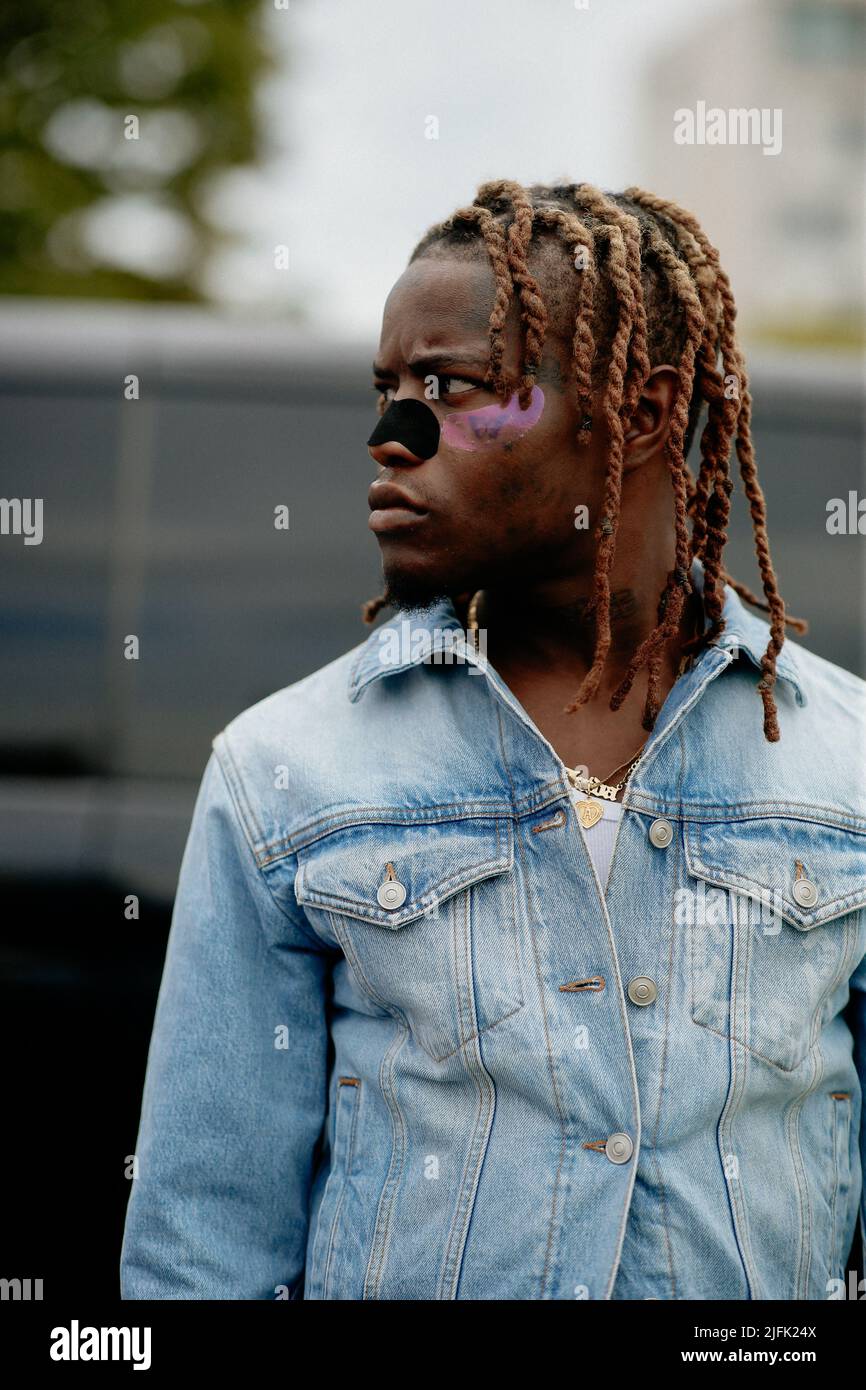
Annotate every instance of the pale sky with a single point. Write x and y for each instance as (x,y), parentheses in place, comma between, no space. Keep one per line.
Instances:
(530,89)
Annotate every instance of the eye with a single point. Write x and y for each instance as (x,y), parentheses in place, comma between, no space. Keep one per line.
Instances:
(453,385)
(383,400)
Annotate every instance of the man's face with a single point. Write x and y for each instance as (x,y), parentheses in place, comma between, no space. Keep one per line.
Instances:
(497,499)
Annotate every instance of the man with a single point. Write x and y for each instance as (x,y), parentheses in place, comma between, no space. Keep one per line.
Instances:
(533,967)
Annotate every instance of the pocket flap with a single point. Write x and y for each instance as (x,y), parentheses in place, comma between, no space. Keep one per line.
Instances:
(344,871)
(767,858)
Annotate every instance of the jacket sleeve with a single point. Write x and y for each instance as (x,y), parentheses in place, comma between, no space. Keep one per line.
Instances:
(235,1093)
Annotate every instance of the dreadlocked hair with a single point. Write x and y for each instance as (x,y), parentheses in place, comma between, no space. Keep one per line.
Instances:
(647,289)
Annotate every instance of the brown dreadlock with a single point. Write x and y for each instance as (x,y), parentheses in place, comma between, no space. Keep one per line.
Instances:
(649,290)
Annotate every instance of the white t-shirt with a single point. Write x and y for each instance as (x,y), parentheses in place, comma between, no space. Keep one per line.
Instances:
(601,837)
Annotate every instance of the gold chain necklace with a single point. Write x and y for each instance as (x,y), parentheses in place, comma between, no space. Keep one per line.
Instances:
(589,811)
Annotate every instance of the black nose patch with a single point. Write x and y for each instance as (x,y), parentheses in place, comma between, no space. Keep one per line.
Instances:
(412,424)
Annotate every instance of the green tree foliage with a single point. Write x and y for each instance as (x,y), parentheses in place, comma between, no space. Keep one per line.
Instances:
(73,74)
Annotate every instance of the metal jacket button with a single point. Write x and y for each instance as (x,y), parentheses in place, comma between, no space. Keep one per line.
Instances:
(619,1148)
(661,832)
(642,990)
(804,891)
(391,894)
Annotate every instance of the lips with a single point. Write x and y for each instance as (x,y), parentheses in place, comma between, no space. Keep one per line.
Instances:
(392,509)
(384,496)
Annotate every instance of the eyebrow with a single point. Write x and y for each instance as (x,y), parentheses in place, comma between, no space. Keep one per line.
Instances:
(436,360)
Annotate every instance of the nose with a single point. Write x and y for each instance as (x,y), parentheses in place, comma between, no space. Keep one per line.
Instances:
(407,433)
(393,452)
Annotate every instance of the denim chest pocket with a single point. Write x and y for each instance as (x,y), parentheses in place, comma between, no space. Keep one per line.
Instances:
(426,917)
(775,926)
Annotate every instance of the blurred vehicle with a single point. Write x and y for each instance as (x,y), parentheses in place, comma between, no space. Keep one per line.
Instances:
(159,523)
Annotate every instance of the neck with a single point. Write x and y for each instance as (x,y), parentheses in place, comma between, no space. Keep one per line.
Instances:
(548,624)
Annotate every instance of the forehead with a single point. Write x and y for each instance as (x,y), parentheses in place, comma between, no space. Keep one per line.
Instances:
(438,302)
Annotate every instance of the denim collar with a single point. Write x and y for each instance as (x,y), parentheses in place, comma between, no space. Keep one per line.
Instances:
(414,636)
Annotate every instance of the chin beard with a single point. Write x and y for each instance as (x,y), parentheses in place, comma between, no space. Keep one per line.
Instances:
(409,592)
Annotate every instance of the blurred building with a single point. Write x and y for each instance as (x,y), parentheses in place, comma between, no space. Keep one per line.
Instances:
(789,226)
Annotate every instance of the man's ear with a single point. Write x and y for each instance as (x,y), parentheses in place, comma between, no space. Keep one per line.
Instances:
(650,424)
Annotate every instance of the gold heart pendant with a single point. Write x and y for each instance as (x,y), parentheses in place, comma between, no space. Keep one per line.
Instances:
(590,813)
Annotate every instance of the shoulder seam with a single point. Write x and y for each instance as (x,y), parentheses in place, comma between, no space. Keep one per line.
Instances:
(231,777)
(229,769)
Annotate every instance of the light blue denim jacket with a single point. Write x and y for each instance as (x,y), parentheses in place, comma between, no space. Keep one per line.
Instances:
(396,1054)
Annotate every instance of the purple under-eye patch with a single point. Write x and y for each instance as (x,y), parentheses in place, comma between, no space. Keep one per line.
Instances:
(492,424)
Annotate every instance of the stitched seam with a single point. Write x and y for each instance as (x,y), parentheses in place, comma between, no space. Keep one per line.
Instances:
(467,1197)
(479,1033)
(548,794)
(234,781)
(312,1274)
(792,1125)
(462,955)
(349,952)
(632,792)
(356,1092)
(732,812)
(387,1197)
(532,916)
(301,926)
(617,834)
(844,1164)
(516,934)
(366,668)
(842,970)
(452,1264)
(383,815)
(393,1009)
(317,898)
(749,1048)
(677,868)
(344,1171)
(817,1025)
(736,1090)
(742,994)
(624,1019)
(635,1097)
(503,744)
(743,881)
